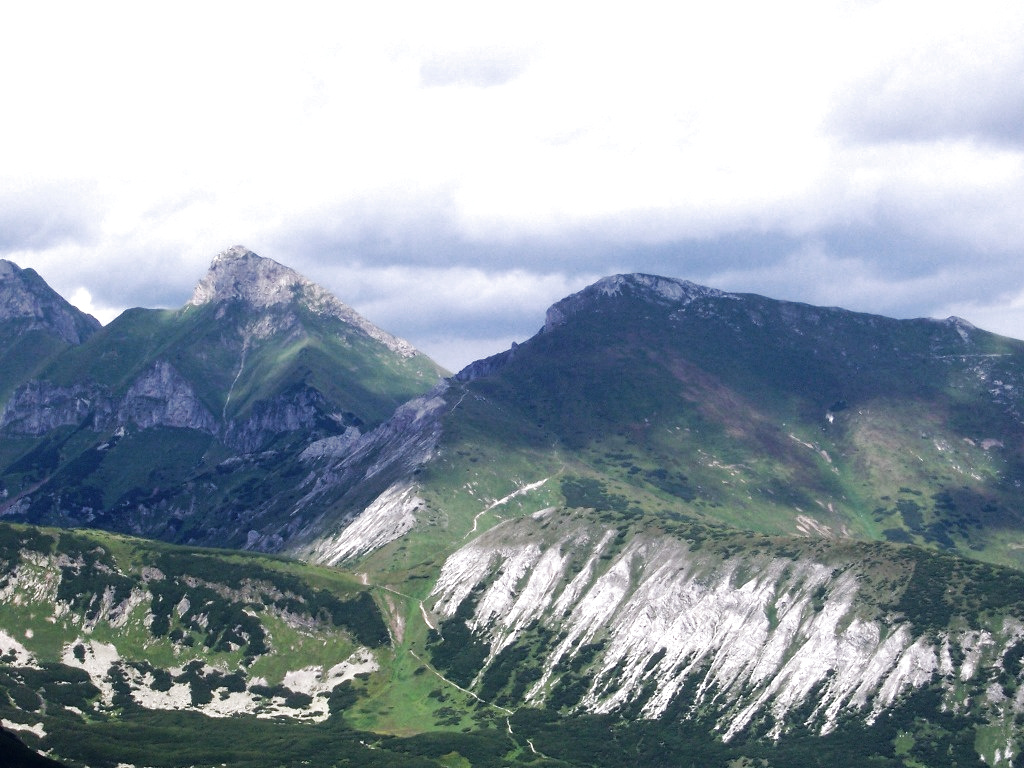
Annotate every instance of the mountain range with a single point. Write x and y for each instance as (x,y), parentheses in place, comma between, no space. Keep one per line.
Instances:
(754,532)
(173,424)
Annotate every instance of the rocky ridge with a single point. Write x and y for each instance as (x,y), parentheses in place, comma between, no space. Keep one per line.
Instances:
(664,290)
(239,274)
(261,364)
(25,297)
(383,461)
(161,395)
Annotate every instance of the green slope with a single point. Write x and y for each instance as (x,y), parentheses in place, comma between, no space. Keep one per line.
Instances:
(776,417)
(102,632)
(205,344)
(187,424)
(122,651)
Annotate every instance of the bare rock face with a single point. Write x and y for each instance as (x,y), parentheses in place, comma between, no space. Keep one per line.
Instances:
(238,274)
(159,397)
(752,637)
(26,297)
(300,409)
(162,397)
(386,460)
(39,406)
(488,366)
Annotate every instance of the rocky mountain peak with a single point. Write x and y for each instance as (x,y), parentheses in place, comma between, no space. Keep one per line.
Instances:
(663,290)
(25,296)
(238,274)
(964,328)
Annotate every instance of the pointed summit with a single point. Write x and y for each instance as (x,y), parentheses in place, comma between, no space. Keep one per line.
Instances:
(26,299)
(238,274)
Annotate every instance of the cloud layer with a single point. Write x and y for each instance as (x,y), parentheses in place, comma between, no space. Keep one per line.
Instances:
(452,169)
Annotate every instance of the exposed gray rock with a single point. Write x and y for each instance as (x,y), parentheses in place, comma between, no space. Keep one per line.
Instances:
(162,397)
(385,459)
(749,637)
(25,296)
(334,447)
(240,274)
(488,366)
(159,397)
(39,406)
(302,409)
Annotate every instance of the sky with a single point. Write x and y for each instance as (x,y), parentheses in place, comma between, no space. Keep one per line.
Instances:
(452,169)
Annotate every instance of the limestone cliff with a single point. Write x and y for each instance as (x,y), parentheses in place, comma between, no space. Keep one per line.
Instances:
(752,638)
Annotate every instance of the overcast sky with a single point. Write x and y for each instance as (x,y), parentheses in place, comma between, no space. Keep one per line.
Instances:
(450,170)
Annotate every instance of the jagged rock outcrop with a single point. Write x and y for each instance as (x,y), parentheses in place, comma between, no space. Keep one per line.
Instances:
(38,406)
(651,287)
(163,397)
(302,409)
(36,325)
(26,298)
(382,463)
(160,397)
(239,274)
(488,366)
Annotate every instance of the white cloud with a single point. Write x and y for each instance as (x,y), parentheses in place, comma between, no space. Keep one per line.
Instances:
(82,299)
(952,73)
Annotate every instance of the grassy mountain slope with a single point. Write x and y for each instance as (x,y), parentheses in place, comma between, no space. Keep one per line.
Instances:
(187,424)
(648,396)
(109,640)
(234,367)
(779,417)
(814,487)
(676,526)
(124,651)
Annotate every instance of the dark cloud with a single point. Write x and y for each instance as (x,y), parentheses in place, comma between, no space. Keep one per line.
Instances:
(937,99)
(894,244)
(440,289)
(894,247)
(149,276)
(424,235)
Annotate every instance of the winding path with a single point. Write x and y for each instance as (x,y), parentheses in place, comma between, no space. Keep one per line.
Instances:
(504,500)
